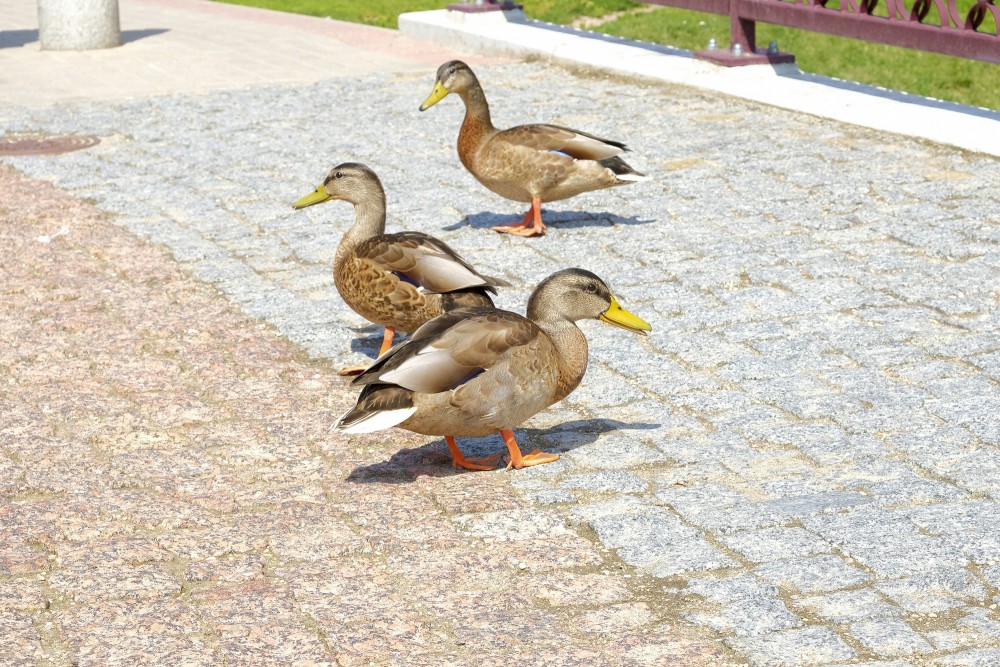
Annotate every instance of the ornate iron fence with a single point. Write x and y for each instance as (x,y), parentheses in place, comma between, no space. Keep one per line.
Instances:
(914,28)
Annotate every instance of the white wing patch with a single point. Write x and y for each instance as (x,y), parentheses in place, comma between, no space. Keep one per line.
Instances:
(594,149)
(429,371)
(631,177)
(442,274)
(377,421)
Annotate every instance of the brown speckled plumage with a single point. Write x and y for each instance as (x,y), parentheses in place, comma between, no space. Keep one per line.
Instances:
(396,280)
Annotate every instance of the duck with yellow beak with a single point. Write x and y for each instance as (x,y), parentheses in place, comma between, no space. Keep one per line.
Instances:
(528,163)
(476,371)
(400,280)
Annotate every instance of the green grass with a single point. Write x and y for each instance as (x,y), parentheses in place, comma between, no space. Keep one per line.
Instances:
(384,12)
(372,12)
(945,77)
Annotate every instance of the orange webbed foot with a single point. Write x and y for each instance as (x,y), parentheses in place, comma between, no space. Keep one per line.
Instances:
(517,230)
(535,458)
(458,459)
(518,460)
(387,337)
(530,225)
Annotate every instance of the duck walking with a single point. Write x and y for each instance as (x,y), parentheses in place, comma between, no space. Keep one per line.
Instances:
(400,280)
(476,371)
(528,163)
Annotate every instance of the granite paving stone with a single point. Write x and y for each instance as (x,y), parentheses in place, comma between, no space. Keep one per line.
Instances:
(774,543)
(22,645)
(807,646)
(798,466)
(742,605)
(183,500)
(976,657)
(653,538)
(812,575)
(890,636)
(617,481)
(857,605)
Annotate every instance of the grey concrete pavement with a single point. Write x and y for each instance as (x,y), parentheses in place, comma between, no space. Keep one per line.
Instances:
(804,456)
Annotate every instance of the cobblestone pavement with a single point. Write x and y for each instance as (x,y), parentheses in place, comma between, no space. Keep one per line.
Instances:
(171,494)
(802,458)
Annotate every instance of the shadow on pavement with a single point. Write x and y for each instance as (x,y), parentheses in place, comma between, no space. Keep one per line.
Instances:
(17,38)
(433,460)
(136,35)
(368,340)
(14,38)
(558,219)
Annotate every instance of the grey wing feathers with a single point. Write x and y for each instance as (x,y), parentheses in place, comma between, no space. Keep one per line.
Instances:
(577,144)
(426,261)
(451,348)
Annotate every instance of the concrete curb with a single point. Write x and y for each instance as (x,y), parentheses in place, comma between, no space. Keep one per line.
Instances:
(785,86)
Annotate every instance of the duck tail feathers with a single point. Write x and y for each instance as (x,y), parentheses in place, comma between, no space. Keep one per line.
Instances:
(370,422)
(633,178)
(622,170)
(497,282)
(379,407)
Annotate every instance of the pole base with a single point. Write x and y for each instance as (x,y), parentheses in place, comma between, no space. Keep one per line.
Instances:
(727,58)
(488,6)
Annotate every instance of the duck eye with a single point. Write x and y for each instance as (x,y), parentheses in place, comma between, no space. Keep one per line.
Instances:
(592,287)
(339,174)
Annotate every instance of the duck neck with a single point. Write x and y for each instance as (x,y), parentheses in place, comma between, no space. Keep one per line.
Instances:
(571,349)
(369,221)
(477,126)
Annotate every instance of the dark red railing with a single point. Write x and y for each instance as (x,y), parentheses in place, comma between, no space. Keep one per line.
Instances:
(953,34)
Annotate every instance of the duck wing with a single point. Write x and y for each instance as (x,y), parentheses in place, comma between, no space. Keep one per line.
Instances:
(574,143)
(426,262)
(451,349)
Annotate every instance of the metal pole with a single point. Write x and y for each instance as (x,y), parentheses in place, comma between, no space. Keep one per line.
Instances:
(741,31)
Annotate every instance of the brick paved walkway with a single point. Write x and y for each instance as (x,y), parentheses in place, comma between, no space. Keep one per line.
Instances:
(171,493)
(802,460)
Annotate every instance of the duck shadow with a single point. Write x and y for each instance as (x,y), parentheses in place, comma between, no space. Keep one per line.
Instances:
(558,219)
(433,459)
(367,340)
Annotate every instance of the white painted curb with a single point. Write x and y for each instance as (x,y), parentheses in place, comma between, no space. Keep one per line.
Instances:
(785,86)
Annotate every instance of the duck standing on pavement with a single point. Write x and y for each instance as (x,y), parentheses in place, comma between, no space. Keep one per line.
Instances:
(400,280)
(528,163)
(475,371)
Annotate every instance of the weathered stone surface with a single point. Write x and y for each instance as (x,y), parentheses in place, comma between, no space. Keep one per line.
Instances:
(800,459)
(183,530)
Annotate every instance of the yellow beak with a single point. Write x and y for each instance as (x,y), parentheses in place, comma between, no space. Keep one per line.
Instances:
(438,94)
(317,196)
(620,317)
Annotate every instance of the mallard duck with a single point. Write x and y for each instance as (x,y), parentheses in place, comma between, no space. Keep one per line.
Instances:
(397,280)
(527,163)
(475,371)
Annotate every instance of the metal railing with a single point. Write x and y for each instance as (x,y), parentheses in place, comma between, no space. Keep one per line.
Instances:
(952,35)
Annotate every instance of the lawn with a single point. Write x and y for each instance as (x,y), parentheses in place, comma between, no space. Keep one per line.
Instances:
(384,12)
(945,77)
